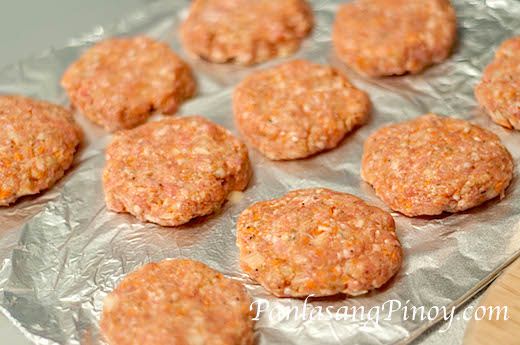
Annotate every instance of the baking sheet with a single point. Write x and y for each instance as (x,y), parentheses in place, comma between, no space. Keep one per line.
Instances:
(61,252)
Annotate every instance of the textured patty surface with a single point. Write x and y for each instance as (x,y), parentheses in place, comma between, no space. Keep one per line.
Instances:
(119,82)
(393,37)
(177,302)
(243,31)
(435,164)
(318,242)
(173,170)
(499,89)
(38,141)
(297,109)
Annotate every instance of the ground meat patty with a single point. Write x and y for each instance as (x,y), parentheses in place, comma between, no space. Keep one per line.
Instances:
(119,82)
(435,164)
(319,242)
(392,37)
(244,31)
(37,144)
(499,90)
(171,171)
(177,302)
(297,109)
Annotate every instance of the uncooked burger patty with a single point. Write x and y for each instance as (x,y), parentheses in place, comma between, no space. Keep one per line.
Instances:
(499,90)
(435,164)
(297,109)
(393,37)
(37,145)
(177,302)
(119,82)
(173,170)
(318,242)
(244,31)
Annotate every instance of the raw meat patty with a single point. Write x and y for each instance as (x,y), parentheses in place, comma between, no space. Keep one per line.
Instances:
(435,164)
(37,145)
(318,242)
(499,90)
(173,170)
(119,82)
(393,37)
(297,109)
(243,31)
(177,302)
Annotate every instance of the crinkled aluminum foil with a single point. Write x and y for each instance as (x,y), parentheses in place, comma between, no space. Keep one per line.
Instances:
(62,252)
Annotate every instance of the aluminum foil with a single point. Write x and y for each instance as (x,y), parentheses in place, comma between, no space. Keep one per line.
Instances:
(62,251)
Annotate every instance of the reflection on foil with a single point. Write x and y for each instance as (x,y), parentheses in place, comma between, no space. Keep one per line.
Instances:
(62,252)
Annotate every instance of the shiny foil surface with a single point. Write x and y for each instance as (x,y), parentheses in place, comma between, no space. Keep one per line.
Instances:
(61,252)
